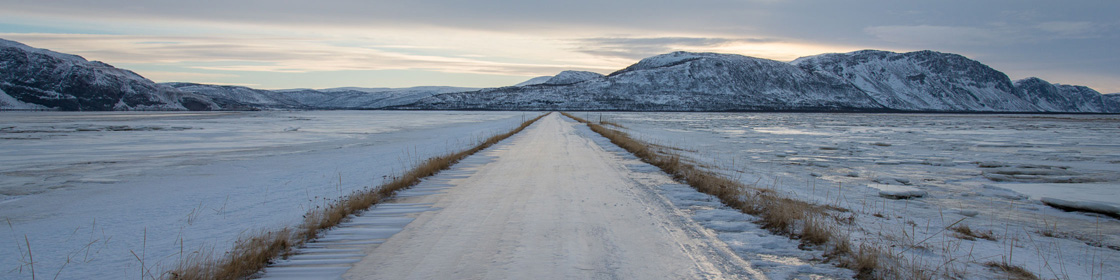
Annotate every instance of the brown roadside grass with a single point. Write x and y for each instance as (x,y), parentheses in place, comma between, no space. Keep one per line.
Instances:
(251,254)
(782,215)
(1011,271)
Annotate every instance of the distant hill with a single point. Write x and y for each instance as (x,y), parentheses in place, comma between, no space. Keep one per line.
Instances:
(921,81)
(33,78)
(238,97)
(869,80)
(39,79)
(677,81)
(862,81)
(1062,98)
(534,81)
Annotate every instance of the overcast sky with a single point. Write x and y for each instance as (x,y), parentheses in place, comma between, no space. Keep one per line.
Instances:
(480,43)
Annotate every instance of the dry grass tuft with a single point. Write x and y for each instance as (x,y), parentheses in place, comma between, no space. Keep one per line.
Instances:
(966,233)
(816,232)
(1012,272)
(249,255)
(865,261)
(782,215)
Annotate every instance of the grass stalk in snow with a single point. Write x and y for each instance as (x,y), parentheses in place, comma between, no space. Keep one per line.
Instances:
(251,254)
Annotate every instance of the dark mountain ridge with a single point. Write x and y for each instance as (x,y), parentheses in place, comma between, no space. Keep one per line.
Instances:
(861,81)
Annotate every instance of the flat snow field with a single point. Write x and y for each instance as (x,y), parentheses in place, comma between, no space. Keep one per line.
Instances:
(88,190)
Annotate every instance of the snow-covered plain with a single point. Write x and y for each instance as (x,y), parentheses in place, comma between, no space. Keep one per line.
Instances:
(87,190)
(557,201)
(550,205)
(994,173)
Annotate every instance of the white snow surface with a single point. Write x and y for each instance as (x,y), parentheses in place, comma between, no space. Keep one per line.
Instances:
(96,187)
(997,173)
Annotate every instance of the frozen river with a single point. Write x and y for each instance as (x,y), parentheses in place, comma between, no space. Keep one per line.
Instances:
(991,172)
(88,190)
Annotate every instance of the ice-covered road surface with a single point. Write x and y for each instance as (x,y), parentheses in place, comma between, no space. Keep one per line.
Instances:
(551,204)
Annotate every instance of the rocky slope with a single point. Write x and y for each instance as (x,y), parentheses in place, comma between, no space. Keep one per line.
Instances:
(42,78)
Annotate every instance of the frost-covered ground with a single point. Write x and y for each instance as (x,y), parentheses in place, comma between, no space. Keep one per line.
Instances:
(87,190)
(989,172)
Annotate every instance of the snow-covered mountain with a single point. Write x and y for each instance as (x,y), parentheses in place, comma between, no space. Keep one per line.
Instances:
(1062,98)
(238,97)
(869,80)
(572,77)
(35,79)
(922,80)
(1112,102)
(678,81)
(32,78)
(534,81)
(564,78)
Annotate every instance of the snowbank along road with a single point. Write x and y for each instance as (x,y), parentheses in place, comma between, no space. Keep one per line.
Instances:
(549,203)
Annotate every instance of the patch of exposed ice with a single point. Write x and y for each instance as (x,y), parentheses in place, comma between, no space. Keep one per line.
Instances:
(1108,209)
(899,191)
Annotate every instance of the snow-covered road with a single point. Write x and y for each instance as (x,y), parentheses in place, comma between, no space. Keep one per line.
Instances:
(550,204)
